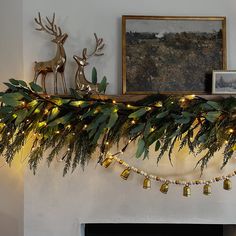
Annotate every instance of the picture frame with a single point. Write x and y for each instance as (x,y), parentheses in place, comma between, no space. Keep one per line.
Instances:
(172,54)
(224,82)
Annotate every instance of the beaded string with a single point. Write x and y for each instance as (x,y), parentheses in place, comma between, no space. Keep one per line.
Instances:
(165,182)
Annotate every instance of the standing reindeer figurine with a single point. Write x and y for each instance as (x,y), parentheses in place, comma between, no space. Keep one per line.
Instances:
(81,83)
(57,64)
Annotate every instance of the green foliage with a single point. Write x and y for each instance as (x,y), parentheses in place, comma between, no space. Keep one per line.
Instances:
(103,85)
(72,127)
(94,76)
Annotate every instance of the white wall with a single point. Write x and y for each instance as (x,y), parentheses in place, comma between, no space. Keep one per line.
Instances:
(11,179)
(57,206)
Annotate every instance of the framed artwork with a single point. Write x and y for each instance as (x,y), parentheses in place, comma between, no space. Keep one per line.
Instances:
(224,82)
(171,55)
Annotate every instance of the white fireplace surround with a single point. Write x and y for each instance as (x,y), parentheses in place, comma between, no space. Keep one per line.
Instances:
(55,206)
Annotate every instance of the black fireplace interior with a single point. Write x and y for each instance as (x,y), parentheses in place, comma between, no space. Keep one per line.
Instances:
(153,230)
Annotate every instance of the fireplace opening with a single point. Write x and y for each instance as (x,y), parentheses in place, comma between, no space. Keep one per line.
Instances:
(153,230)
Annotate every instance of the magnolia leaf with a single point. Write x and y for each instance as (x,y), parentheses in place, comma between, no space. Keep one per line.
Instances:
(21,115)
(103,85)
(212,116)
(138,113)
(36,88)
(141,148)
(94,76)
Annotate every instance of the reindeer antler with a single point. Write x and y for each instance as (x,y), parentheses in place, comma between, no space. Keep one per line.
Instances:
(98,48)
(51,28)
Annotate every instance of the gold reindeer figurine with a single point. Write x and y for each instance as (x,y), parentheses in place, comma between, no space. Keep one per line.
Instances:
(81,83)
(57,64)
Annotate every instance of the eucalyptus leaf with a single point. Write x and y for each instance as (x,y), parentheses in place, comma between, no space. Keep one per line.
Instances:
(137,129)
(94,76)
(22,83)
(212,116)
(215,105)
(103,85)
(21,115)
(14,82)
(62,120)
(158,145)
(162,114)
(138,113)
(112,120)
(36,88)
(141,148)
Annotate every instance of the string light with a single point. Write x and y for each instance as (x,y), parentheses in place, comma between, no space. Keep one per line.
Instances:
(133,122)
(159,104)
(231,130)
(152,130)
(46,111)
(114,101)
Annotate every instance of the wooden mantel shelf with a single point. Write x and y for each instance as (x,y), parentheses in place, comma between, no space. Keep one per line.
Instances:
(135,98)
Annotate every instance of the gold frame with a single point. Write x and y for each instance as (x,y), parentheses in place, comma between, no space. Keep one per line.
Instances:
(141,17)
(214,80)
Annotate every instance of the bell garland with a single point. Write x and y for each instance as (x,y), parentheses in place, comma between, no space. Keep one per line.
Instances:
(165,183)
(78,125)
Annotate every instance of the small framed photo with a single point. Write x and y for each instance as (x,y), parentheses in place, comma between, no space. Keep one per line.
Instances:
(172,54)
(224,82)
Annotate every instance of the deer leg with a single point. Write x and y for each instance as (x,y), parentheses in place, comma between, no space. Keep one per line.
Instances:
(43,82)
(55,82)
(36,74)
(64,82)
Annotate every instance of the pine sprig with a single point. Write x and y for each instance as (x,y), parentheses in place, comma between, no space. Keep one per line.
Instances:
(81,125)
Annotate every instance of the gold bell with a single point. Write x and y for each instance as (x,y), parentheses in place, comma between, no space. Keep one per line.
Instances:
(164,188)
(125,174)
(186,191)
(207,189)
(147,183)
(107,162)
(227,184)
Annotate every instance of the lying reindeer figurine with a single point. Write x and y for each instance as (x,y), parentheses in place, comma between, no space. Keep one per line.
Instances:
(81,83)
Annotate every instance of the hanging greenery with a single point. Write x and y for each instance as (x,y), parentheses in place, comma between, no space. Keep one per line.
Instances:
(80,125)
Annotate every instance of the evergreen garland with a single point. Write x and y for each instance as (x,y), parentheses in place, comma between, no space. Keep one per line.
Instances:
(81,124)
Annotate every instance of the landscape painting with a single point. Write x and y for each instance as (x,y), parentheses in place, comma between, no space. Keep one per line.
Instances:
(171,55)
(224,82)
